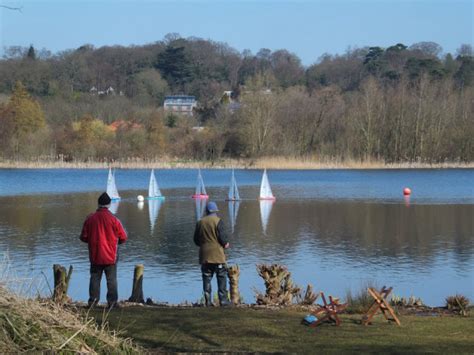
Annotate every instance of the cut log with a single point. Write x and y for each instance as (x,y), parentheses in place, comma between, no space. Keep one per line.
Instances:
(61,283)
(137,289)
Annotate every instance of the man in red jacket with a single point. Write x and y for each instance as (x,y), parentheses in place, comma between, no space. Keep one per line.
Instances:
(102,231)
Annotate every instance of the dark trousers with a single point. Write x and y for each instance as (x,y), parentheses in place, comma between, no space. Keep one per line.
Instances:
(208,271)
(94,285)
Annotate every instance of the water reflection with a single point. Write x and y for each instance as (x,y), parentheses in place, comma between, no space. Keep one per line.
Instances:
(153,211)
(336,245)
(200,207)
(233,207)
(265,211)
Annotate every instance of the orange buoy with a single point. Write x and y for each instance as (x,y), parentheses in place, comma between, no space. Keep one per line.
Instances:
(406,191)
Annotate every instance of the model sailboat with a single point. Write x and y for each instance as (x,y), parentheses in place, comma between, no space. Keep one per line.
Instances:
(153,189)
(233,194)
(114,206)
(265,189)
(111,187)
(200,189)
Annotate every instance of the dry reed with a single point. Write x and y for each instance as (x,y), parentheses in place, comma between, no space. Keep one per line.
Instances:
(40,325)
(308,163)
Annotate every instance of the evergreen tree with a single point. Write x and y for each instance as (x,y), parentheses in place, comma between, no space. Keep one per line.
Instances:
(31,53)
(174,65)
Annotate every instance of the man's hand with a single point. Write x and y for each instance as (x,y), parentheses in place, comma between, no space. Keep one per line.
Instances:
(226,246)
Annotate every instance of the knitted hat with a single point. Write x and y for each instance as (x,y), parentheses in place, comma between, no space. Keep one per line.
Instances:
(104,199)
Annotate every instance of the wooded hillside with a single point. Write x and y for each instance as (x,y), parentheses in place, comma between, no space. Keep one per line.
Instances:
(392,104)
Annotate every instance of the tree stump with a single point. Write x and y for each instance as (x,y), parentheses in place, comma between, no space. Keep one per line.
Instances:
(137,289)
(61,283)
(309,297)
(234,272)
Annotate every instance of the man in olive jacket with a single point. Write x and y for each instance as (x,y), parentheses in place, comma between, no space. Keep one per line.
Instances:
(211,239)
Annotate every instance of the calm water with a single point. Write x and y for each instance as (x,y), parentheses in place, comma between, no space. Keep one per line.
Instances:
(334,229)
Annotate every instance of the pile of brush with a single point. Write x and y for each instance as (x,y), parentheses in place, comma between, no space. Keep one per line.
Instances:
(37,325)
(279,286)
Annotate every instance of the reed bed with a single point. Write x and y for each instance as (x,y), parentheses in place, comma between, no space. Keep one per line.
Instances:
(38,325)
(276,163)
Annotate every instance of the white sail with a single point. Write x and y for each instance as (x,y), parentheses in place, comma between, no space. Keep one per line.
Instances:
(265,189)
(111,187)
(154,206)
(200,189)
(200,208)
(233,190)
(265,211)
(153,189)
(114,205)
(233,212)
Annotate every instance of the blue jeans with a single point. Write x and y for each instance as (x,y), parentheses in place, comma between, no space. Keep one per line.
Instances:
(208,271)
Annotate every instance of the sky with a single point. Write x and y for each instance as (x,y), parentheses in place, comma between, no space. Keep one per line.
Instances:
(306,28)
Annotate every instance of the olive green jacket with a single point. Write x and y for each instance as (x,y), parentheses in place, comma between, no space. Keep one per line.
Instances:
(210,236)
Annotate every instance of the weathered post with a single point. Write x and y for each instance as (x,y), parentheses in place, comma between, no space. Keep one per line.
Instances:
(61,283)
(234,272)
(137,290)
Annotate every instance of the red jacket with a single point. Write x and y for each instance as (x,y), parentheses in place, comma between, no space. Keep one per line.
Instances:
(102,231)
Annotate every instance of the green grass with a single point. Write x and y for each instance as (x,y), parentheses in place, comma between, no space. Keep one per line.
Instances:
(264,330)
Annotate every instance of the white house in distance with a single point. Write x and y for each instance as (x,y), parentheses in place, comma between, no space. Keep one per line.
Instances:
(180,104)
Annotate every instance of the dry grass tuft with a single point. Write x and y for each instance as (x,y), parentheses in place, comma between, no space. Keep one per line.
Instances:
(458,303)
(39,325)
(360,301)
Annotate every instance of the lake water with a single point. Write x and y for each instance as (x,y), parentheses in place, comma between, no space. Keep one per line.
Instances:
(335,229)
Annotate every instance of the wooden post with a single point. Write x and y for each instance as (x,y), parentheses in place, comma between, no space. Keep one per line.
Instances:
(233,272)
(137,290)
(61,283)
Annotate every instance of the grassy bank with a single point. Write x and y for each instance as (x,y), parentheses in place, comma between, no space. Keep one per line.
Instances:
(197,329)
(260,163)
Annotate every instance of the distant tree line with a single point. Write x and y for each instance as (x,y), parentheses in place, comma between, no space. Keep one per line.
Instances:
(392,104)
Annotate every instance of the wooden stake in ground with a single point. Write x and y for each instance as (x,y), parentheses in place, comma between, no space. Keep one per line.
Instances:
(137,290)
(61,283)
(234,272)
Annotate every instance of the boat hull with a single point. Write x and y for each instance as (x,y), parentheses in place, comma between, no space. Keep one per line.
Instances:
(200,196)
